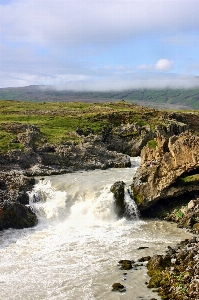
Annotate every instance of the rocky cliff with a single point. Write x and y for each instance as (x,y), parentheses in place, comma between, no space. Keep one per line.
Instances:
(169,168)
(36,157)
(14,211)
(111,148)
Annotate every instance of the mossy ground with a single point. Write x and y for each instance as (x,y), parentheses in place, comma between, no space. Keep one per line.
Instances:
(59,120)
(174,274)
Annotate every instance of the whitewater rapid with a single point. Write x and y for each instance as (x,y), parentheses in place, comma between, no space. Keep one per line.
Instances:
(73,252)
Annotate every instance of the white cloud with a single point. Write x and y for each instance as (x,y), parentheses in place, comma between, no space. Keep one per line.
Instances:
(105,83)
(50,41)
(135,81)
(145,67)
(59,22)
(24,79)
(164,64)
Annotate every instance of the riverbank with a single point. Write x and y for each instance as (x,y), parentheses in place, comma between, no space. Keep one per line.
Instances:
(74,250)
(59,138)
(15,185)
(175,274)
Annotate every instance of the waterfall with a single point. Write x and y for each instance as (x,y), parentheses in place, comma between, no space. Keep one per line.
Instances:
(91,205)
(47,202)
(52,204)
(73,251)
(130,205)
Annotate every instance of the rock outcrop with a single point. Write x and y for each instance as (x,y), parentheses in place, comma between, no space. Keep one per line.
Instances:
(131,138)
(111,148)
(14,209)
(15,215)
(33,155)
(175,274)
(118,191)
(169,168)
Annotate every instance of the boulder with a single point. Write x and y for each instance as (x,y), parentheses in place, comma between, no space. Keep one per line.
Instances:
(118,191)
(14,209)
(16,215)
(118,287)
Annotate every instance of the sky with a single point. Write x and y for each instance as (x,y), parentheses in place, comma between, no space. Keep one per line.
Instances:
(99,44)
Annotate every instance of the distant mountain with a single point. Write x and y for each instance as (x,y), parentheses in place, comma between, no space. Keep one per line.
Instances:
(164,98)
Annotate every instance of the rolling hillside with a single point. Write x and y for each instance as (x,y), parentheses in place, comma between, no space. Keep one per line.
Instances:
(164,98)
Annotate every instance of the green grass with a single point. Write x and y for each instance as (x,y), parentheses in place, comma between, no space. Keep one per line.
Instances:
(7,142)
(58,121)
(152,144)
(190,179)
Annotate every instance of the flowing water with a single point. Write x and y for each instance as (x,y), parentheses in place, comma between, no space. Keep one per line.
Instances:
(74,251)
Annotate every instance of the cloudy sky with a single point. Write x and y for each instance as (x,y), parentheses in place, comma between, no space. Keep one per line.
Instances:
(99,44)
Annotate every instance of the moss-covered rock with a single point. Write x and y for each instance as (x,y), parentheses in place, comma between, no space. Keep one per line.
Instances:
(175,275)
(138,198)
(125,264)
(118,287)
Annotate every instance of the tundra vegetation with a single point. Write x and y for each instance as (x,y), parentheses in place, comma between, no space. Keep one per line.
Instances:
(58,121)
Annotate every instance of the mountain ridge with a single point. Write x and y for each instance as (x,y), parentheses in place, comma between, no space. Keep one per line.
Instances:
(157,98)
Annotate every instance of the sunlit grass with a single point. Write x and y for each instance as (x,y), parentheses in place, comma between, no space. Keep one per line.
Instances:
(58,121)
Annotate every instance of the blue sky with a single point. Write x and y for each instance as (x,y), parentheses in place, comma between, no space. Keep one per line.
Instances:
(99,44)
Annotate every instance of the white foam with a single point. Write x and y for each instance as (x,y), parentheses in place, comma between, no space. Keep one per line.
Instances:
(73,252)
(47,202)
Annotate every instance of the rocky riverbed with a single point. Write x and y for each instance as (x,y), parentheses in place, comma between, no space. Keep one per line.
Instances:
(175,275)
(165,186)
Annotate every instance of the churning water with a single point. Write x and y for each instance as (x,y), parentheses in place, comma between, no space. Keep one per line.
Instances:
(73,252)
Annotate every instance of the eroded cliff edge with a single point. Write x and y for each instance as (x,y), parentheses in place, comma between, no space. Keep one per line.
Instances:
(169,168)
(123,130)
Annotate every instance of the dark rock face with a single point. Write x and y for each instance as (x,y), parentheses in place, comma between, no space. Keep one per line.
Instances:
(183,210)
(118,191)
(109,149)
(16,215)
(56,159)
(13,200)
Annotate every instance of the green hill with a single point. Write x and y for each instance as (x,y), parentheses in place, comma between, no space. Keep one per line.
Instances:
(164,98)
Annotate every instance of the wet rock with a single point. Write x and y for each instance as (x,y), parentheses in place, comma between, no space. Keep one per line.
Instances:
(176,273)
(144,258)
(13,200)
(125,264)
(118,191)
(141,248)
(118,287)
(16,215)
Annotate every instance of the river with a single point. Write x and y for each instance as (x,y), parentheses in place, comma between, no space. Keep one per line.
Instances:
(73,252)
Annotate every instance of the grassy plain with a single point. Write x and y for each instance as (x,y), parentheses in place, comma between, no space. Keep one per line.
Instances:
(58,121)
